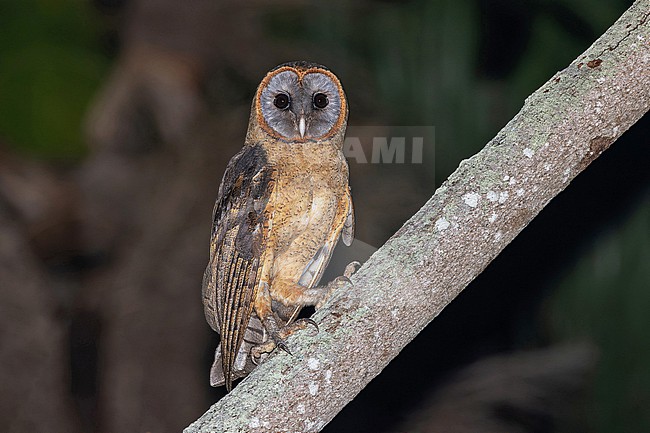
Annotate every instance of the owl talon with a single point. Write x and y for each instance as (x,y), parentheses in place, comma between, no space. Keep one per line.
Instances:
(297,326)
(278,339)
(290,329)
(281,344)
(342,281)
(257,352)
(312,323)
(351,268)
(303,324)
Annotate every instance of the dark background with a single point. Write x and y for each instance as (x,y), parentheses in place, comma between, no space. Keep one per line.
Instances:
(117,119)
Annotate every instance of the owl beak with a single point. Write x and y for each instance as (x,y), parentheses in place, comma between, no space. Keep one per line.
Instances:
(301,126)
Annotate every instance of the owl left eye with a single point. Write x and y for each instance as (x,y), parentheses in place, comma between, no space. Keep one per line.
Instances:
(320,100)
(282,101)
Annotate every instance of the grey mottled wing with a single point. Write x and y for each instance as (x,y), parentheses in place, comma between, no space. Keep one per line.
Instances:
(236,248)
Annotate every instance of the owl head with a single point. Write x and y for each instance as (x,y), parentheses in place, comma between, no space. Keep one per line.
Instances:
(300,101)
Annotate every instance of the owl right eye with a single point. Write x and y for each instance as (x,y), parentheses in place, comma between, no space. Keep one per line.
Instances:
(282,101)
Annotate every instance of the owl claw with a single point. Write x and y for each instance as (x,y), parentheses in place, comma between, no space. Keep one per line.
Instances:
(304,323)
(268,346)
(342,281)
(278,339)
(312,322)
(297,326)
(281,344)
(351,268)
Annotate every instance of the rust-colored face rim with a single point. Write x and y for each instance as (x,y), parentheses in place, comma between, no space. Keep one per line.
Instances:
(301,73)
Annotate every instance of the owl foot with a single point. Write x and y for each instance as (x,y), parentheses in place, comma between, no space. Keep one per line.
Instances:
(278,339)
(338,282)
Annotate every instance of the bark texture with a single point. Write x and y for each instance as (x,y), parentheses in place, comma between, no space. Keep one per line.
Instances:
(484,204)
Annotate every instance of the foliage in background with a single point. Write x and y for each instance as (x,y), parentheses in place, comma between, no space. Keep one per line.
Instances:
(606,299)
(51,64)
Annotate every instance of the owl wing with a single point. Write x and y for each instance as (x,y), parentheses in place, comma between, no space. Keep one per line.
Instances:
(236,248)
(343,229)
(347,233)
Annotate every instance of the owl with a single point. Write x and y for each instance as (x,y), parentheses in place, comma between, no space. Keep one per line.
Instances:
(283,204)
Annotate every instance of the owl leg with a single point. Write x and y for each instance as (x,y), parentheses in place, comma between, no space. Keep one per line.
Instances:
(290,293)
(270,321)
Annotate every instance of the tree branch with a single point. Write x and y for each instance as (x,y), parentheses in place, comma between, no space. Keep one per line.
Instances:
(484,204)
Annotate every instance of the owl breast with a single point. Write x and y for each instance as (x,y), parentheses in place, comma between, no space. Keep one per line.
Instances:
(307,215)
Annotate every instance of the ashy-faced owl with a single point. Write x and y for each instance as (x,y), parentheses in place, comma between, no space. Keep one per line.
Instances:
(283,204)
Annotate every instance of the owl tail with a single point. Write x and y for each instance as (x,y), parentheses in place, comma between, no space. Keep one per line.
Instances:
(243,365)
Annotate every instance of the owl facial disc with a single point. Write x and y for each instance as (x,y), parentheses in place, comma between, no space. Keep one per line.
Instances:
(296,103)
